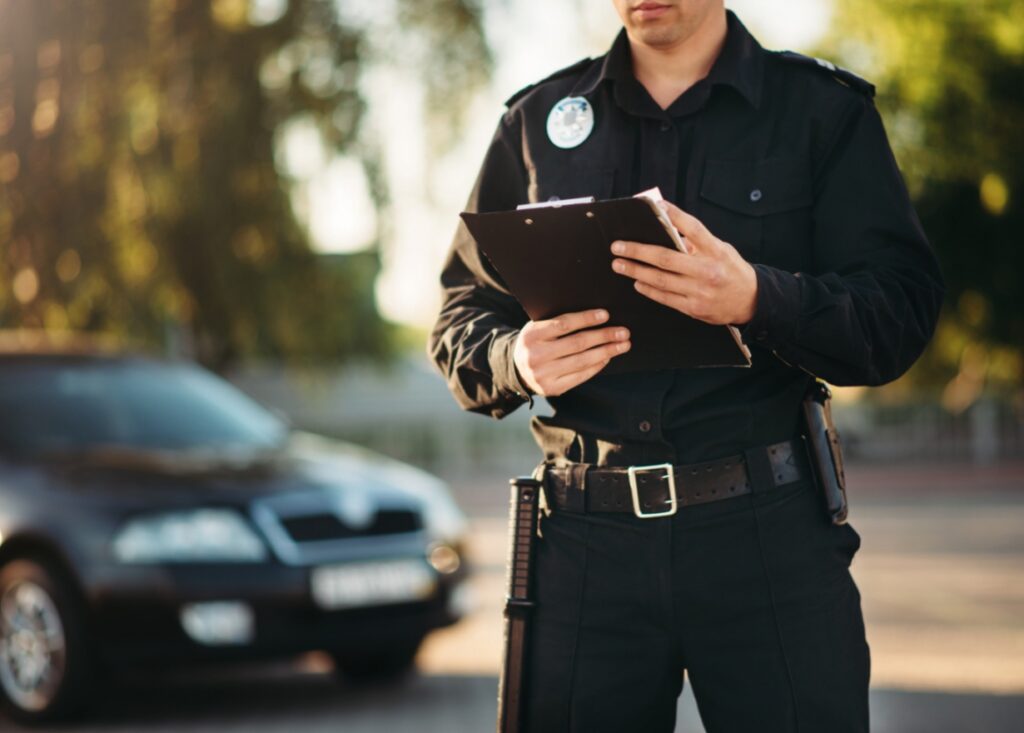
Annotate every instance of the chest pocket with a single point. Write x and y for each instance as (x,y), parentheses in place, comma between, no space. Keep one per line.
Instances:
(763,208)
(569,182)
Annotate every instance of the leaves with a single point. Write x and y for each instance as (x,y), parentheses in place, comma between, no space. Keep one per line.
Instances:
(139,190)
(950,78)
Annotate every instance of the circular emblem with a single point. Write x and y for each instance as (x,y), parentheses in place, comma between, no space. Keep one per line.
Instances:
(570,122)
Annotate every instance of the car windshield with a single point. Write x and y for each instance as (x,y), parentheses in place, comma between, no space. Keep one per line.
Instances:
(64,406)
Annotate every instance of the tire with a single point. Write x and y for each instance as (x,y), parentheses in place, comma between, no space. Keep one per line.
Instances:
(382,665)
(45,668)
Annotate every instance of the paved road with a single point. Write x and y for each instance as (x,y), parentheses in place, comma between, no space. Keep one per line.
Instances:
(940,572)
(293,700)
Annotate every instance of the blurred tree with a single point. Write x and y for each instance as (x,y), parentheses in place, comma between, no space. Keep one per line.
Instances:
(950,78)
(139,186)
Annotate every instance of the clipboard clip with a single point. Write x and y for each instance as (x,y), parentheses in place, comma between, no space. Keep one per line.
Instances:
(556,203)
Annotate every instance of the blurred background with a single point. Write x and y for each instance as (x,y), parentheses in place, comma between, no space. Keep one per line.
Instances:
(268,188)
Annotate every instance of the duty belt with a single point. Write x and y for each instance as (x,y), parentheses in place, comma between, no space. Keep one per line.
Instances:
(659,490)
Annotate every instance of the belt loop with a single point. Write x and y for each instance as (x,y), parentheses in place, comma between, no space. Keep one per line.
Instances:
(541,473)
(575,492)
(759,470)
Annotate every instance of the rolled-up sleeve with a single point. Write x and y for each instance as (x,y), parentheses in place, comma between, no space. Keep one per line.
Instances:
(473,339)
(864,311)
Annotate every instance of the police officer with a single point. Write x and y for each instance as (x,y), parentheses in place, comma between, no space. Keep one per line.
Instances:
(804,238)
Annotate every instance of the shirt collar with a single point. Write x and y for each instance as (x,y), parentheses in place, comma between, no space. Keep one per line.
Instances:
(740,64)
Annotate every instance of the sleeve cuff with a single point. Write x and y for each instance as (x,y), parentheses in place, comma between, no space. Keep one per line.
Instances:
(503,368)
(777,309)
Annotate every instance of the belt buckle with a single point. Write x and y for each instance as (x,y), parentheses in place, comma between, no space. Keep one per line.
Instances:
(669,474)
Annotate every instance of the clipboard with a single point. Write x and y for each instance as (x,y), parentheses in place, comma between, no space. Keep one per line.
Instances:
(557,259)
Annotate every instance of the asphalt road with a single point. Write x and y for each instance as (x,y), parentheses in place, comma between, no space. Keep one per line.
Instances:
(940,572)
(292,699)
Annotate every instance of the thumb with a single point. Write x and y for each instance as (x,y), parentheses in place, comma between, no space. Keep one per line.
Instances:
(690,227)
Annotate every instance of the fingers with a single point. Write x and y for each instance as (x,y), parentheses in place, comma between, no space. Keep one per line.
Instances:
(665,297)
(697,305)
(574,379)
(660,257)
(691,227)
(560,368)
(577,342)
(569,322)
(546,351)
(657,277)
(562,336)
(555,376)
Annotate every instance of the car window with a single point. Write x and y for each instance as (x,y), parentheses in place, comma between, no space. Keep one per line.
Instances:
(55,406)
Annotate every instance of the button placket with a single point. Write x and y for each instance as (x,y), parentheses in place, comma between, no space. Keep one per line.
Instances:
(645,406)
(659,153)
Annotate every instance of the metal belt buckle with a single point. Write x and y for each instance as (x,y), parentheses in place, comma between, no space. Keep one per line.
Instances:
(669,474)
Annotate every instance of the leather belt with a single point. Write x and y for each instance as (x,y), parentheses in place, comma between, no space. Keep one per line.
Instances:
(648,490)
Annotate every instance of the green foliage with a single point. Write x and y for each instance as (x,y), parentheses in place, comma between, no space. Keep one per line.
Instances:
(950,78)
(138,187)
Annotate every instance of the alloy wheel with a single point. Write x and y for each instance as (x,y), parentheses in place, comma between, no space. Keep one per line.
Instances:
(32,646)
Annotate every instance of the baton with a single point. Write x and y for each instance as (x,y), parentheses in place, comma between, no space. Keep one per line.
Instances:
(522,522)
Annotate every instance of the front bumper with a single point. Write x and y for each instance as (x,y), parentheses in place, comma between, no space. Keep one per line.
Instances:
(135,612)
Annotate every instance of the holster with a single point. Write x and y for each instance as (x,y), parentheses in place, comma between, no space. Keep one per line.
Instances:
(824,450)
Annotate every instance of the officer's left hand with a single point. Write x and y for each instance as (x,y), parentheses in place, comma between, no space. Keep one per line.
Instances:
(713,284)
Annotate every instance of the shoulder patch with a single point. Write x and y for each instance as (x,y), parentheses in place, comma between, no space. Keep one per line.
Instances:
(842,75)
(560,73)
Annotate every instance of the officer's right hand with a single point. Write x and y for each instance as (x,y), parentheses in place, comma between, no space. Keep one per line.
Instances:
(555,355)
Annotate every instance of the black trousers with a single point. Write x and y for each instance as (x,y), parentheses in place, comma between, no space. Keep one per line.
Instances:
(751,595)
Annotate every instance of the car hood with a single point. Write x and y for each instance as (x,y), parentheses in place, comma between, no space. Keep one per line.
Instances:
(307,463)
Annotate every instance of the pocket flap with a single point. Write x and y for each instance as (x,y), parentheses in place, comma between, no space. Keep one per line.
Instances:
(571,182)
(757,188)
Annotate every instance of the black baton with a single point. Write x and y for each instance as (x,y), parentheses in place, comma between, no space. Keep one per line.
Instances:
(522,522)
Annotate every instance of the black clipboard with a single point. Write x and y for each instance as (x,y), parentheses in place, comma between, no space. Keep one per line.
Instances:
(556,259)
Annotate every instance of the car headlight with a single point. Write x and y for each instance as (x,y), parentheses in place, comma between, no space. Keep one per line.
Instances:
(202,535)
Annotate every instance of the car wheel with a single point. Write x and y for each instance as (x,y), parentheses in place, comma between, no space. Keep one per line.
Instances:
(383,664)
(44,668)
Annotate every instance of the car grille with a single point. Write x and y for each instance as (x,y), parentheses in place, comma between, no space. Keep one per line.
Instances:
(313,528)
(326,527)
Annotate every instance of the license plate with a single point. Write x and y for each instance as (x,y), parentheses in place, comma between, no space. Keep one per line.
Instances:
(379,583)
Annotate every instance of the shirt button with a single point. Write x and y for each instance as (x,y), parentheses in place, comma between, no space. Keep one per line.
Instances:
(755,195)
(645,426)
(666,126)
(762,335)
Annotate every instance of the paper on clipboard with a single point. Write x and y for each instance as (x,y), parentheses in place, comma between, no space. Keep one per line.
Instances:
(654,197)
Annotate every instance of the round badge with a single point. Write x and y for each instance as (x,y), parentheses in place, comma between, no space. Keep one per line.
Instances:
(570,122)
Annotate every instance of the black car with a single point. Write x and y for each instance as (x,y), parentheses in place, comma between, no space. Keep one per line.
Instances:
(151,512)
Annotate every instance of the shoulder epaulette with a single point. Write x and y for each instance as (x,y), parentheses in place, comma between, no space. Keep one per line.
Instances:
(561,72)
(842,75)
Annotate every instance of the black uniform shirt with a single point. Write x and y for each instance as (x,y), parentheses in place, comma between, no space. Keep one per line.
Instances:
(783,156)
